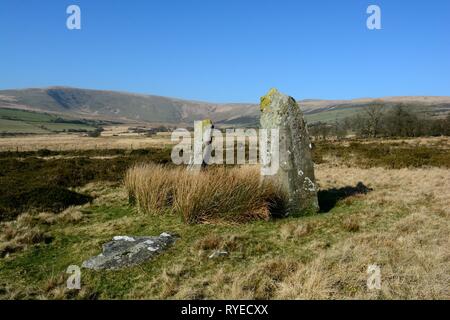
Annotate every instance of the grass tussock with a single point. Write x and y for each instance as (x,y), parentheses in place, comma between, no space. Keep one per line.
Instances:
(235,195)
(151,187)
(350,224)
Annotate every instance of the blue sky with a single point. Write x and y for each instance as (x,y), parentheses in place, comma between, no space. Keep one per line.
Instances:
(229,50)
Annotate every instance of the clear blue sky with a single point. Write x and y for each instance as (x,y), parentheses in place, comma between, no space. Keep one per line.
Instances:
(229,50)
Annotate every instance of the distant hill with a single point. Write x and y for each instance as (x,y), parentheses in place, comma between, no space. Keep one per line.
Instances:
(128,107)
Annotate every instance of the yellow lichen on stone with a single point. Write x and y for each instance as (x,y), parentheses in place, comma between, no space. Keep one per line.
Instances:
(206,122)
(266,100)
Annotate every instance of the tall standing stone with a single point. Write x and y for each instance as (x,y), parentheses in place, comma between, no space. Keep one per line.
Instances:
(296,171)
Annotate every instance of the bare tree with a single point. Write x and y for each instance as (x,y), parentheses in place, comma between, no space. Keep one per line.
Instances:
(374,114)
(339,129)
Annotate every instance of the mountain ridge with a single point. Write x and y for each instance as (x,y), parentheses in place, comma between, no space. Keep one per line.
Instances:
(138,107)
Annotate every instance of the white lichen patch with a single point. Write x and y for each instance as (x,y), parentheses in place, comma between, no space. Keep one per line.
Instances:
(165,234)
(309,185)
(124,238)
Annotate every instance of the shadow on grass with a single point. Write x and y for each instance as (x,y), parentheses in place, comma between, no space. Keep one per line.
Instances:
(329,198)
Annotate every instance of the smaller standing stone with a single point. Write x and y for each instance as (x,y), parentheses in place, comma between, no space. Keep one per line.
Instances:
(205,131)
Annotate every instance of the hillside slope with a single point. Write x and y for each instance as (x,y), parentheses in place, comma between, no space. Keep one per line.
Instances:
(120,106)
(129,107)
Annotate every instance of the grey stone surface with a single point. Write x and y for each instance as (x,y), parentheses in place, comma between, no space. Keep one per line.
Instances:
(127,251)
(206,132)
(296,172)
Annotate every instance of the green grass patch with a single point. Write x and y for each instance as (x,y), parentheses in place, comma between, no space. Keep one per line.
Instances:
(333,115)
(65,127)
(14,121)
(23,115)
(18,126)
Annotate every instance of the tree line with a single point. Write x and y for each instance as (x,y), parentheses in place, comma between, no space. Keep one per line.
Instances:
(376,120)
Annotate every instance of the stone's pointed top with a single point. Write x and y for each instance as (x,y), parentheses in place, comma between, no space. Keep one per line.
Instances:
(266,100)
(207,123)
(273,91)
(274,99)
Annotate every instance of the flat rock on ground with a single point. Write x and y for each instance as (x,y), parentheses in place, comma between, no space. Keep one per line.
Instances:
(127,251)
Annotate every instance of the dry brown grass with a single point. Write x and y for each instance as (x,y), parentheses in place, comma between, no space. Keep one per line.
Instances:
(152,186)
(64,142)
(413,266)
(296,230)
(236,194)
(413,252)
(19,234)
(210,242)
(350,224)
(402,226)
(440,142)
(29,229)
(233,194)
(262,280)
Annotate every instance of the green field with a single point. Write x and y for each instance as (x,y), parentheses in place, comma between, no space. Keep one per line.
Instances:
(59,127)
(17,126)
(332,115)
(23,115)
(28,122)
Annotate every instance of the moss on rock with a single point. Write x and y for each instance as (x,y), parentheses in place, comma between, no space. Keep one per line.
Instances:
(267,99)
(206,122)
